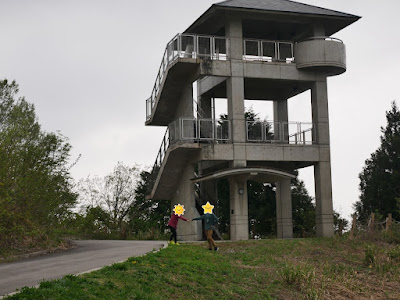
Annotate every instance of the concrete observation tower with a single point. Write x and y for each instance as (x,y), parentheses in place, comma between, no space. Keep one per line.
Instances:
(238,50)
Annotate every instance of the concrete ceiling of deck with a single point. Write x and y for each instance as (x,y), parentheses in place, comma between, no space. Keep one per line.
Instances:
(170,173)
(175,80)
(264,24)
(264,89)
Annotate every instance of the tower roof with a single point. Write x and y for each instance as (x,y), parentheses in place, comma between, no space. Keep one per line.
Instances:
(282,11)
(282,6)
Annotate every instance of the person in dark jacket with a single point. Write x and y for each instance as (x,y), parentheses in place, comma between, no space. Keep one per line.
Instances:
(172,224)
(210,220)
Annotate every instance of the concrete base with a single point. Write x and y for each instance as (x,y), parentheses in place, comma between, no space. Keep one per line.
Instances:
(323,199)
(187,231)
(239,212)
(284,221)
(324,225)
(239,228)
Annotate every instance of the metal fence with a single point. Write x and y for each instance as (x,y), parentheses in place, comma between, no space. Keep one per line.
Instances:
(280,132)
(215,48)
(193,130)
(187,46)
(264,50)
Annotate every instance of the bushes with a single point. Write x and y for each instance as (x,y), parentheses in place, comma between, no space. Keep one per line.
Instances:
(35,184)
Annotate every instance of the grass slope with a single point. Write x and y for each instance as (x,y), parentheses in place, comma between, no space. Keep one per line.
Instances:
(332,268)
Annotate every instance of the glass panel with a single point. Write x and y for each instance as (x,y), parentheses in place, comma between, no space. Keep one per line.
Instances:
(187,45)
(268,51)
(251,48)
(269,130)
(285,51)
(204,46)
(189,130)
(223,130)
(206,129)
(170,51)
(254,131)
(220,48)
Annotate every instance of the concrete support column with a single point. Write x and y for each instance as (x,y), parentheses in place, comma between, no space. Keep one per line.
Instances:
(284,209)
(204,110)
(322,170)
(233,31)
(281,130)
(185,106)
(187,231)
(235,90)
(320,115)
(239,211)
(323,197)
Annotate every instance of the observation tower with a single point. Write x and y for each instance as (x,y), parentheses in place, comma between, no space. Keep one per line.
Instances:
(238,50)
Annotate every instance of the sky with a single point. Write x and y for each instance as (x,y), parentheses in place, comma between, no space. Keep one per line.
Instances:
(88,66)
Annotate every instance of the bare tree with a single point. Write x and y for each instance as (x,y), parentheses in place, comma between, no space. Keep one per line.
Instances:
(115,193)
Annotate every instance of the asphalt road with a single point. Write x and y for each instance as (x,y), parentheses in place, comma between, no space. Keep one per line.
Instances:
(87,256)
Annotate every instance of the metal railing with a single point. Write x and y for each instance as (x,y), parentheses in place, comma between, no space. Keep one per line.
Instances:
(187,46)
(264,50)
(325,38)
(280,132)
(300,133)
(193,130)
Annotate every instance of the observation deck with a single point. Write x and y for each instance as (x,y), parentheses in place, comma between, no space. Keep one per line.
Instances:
(290,65)
(323,54)
(206,139)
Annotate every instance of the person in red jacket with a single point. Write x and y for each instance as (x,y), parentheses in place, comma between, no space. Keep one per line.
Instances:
(172,224)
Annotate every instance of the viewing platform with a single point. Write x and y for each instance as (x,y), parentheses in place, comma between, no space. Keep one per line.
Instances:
(211,140)
(188,57)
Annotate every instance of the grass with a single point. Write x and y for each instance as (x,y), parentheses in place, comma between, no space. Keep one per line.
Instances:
(331,268)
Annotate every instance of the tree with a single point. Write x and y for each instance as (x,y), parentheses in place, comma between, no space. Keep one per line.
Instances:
(35,184)
(114,193)
(380,178)
(303,209)
(262,208)
(117,202)
(148,214)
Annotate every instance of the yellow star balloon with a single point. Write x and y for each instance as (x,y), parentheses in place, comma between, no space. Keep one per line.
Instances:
(208,208)
(179,210)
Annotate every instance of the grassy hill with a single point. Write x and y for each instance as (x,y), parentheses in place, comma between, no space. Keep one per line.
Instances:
(331,268)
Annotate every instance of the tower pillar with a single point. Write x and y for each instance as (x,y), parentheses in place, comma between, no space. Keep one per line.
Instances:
(322,169)
(281,120)
(185,195)
(235,91)
(239,211)
(284,209)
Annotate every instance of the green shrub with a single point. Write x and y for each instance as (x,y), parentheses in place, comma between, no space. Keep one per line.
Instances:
(394,253)
(369,256)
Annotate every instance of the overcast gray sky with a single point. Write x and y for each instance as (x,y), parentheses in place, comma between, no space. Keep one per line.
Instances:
(89,65)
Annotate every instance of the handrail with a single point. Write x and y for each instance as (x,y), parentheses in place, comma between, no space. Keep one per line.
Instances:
(186,46)
(215,48)
(268,50)
(280,132)
(192,130)
(326,38)
(195,130)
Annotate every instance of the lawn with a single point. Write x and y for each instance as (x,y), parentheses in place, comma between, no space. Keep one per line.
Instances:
(330,268)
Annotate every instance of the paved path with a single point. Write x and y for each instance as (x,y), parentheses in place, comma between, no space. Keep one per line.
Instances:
(87,256)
